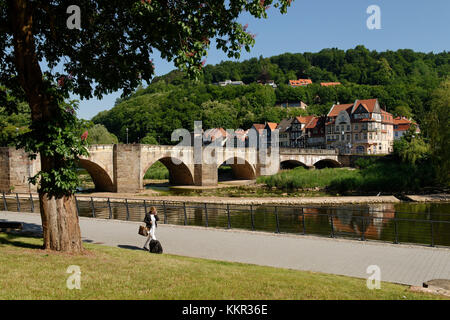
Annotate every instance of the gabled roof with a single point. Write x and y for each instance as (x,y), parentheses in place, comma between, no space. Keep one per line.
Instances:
(259,127)
(368,104)
(285,124)
(337,108)
(272,125)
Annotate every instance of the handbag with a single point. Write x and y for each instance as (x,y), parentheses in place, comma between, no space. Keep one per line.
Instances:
(143,230)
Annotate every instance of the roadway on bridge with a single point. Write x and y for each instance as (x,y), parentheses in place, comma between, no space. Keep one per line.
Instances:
(403,264)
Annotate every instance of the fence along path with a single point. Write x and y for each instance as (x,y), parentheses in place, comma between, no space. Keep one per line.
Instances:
(344,222)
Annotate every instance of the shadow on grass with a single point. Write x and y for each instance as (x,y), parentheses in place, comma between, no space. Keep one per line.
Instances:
(124,246)
(11,237)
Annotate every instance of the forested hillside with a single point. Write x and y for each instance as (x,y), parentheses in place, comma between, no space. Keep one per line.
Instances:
(402,81)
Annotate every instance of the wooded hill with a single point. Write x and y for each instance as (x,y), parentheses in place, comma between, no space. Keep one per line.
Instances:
(402,81)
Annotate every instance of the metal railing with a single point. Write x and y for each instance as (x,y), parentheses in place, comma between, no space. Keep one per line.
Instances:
(347,222)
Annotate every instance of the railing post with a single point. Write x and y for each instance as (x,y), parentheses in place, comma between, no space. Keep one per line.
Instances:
(303,222)
(228,214)
(432,233)
(92,207)
(18,202)
(31,203)
(206,216)
(363,231)
(396,231)
(276,219)
(165,212)
(5,205)
(332,226)
(185,215)
(76,203)
(145,207)
(128,211)
(109,208)
(252,217)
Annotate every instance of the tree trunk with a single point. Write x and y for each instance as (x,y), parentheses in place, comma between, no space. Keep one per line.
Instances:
(59,215)
(60,223)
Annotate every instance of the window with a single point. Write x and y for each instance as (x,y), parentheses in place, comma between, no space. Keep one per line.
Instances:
(356,127)
(348,127)
(356,136)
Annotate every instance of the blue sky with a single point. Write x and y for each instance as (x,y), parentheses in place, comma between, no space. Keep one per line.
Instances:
(310,26)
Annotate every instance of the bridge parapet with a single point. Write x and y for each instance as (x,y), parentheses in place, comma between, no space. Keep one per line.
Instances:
(307,151)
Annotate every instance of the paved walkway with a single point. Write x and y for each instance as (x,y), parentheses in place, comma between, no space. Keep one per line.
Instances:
(404,264)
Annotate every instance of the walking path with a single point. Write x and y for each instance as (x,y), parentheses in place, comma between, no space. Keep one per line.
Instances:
(411,265)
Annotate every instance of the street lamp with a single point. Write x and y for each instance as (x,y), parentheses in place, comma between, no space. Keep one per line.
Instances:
(127,134)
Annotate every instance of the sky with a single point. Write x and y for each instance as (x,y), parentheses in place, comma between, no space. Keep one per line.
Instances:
(310,26)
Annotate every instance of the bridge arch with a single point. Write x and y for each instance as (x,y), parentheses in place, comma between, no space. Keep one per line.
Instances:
(241,168)
(179,174)
(327,163)
(291,164)
(100,177)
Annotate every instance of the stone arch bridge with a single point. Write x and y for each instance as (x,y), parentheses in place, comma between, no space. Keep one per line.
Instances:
(121,167)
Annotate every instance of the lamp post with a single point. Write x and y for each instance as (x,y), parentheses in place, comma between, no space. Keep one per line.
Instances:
(127,134)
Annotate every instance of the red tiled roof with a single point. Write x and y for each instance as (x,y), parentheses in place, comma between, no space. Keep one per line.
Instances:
(337,108)
(304,120)
(313,123)
(215,133)
(300,82)
(402,120)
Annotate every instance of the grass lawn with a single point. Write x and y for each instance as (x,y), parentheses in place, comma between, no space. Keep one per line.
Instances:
(27,272)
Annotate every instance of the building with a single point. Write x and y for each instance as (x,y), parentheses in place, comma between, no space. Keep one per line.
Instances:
(270,128)
(315,133)
(402,125)
(284,132)
(268,83)
(362,128)
(254,134)
(215,136)
(294,104)
(329,84)
(300,82)
(229,82)
(297,132)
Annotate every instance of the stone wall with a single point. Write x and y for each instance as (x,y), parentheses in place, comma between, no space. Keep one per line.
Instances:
(15,169)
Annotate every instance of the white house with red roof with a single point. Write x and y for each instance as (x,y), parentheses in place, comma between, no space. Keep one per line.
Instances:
(402,125)
(362,127)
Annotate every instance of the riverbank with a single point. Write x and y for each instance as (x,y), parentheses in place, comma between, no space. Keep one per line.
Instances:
(256,201)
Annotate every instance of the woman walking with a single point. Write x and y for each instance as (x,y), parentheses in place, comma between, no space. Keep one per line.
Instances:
(151,224)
